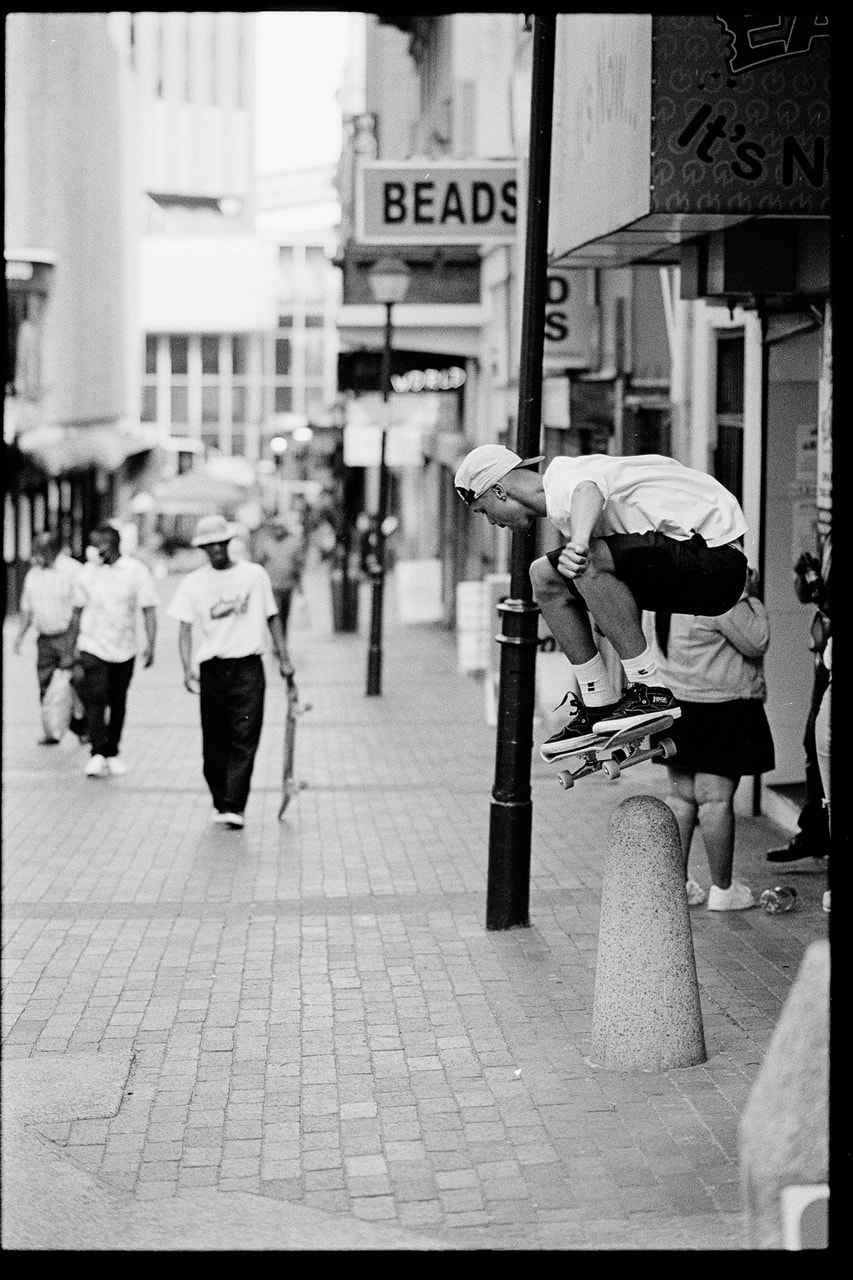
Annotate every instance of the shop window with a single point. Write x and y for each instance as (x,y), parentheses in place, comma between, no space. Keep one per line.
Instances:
(728,455)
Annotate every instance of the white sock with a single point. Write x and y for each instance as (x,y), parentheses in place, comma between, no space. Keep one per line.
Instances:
(643,669)
(594,683)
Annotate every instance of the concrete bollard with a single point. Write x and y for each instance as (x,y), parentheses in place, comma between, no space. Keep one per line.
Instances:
(784,1130)
(646,1014)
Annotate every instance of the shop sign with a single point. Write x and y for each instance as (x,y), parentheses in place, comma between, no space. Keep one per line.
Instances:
(571,318)
(436,202)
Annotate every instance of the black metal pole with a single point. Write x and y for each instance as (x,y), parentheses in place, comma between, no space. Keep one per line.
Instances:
(377,571)
(508,890)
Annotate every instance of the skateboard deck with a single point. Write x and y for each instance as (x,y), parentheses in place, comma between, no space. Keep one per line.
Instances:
(610,753)
(294,708)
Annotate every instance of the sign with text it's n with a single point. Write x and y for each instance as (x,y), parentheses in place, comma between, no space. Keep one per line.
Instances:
(436,202)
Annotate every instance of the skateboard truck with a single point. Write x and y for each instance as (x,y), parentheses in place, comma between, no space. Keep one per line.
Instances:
(613,752)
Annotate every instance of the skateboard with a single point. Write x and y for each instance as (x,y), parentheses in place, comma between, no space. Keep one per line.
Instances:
(294,709)
(613,752)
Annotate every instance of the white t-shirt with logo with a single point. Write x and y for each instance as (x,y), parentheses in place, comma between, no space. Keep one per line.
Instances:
(229,609)
(647,493)
(111,596)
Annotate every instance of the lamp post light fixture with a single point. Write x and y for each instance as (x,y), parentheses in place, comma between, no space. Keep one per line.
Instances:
(389,283)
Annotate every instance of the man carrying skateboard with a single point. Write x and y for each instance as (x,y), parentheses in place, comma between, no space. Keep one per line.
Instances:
(642,532)
(230,606)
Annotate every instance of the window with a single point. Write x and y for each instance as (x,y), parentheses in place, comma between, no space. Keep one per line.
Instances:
(282,357)
(315,348)
(239,355)
(148,409)
(728,455)
(209,353)
(210,404)
(150,353)
(283,400)
(179,354)
(180,405)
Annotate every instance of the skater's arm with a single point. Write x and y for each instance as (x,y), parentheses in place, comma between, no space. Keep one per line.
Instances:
(587,506)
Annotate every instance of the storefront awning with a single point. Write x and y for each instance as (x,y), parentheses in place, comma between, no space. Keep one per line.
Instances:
(59,449)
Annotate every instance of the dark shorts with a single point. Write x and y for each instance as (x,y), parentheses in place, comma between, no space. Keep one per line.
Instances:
(729,739)
(669,576)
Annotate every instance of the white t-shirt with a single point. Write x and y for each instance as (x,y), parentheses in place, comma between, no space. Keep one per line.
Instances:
(111,596)
(228,607)
(48,594)
(647,493)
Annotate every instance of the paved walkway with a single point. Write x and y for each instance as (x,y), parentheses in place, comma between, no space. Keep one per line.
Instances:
(301,1035)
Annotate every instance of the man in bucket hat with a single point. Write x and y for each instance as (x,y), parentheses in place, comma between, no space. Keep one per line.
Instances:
(230,603)
(641,532)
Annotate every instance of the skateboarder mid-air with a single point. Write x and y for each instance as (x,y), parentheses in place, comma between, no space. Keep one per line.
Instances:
(642,532)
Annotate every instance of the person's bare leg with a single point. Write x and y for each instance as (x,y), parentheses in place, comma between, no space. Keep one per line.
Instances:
(715,798)
(567,619)
(681,799)
(611,602)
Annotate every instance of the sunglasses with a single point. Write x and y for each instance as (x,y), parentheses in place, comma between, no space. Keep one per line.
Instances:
(468,496)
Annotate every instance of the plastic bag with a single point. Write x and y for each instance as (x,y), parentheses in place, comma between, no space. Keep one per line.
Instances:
(58,705)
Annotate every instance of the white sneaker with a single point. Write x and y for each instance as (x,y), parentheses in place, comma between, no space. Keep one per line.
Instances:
(825,901)
(96,768)
(116,766)
(696,895)
(736,898)
(232,819)
(216,816)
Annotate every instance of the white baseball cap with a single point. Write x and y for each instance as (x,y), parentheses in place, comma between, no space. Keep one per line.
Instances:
(485,466)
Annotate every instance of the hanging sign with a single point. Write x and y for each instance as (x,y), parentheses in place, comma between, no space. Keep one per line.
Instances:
(436,202)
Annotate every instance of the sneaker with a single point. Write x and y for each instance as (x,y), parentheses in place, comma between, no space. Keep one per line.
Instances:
(576,734)
(232,819)
(696,895)
(116,767)
(96,768)
(48,742)
(639,704)
(736,898)
(216,816)
(825,901)
(794,851)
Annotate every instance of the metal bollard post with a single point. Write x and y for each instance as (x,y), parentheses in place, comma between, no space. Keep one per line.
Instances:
(646,1014)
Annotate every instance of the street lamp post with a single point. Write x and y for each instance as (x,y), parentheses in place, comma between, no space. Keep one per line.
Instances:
(389,283)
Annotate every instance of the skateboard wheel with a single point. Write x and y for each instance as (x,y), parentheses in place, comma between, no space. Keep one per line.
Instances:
(667,748)
(611,770)
(565,779)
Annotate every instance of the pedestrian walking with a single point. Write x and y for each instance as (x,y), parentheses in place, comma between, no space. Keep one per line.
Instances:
(47,605)
(282,554)
(715,666)
(111,592)
(643,532)
(230,605)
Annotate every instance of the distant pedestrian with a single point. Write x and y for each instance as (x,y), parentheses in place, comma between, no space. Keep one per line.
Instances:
(111,592)
(282,554)
(230,604)
(47,605)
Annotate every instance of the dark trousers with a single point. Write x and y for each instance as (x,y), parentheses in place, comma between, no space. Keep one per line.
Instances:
(813,821)
(282,597)
(232,712)
(102,688)
(51,652)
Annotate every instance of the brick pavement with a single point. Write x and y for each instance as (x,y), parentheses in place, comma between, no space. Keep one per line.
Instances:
(312,1012)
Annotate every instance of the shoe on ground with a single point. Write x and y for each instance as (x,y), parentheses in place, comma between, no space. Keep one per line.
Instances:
(696,895)
(48,742)
(96,768)
(794,851)
(232,819)
(576,734)
(116,766)
(736,898)
(639,704)
(216,816)
(825,901)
